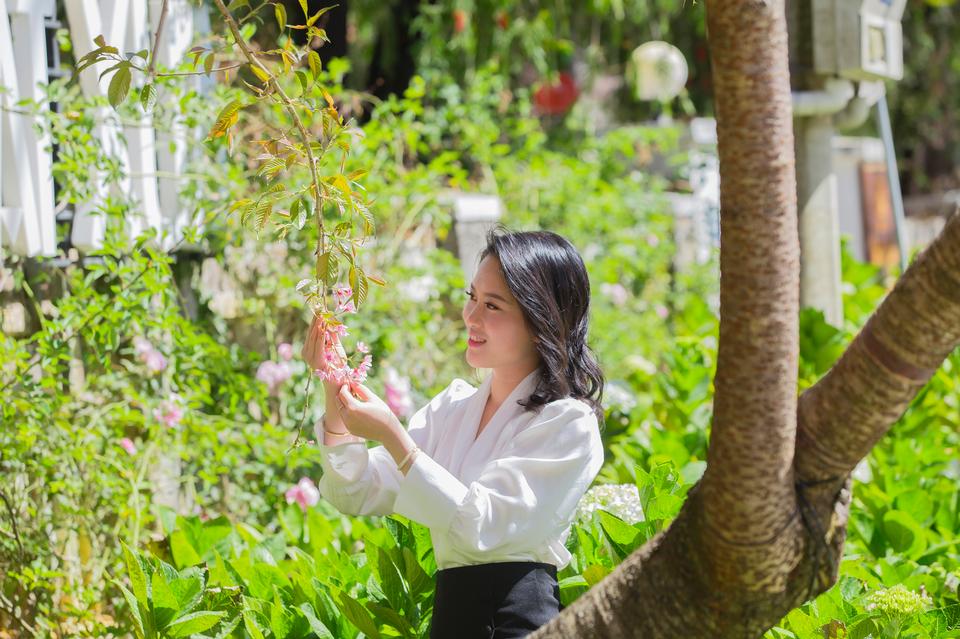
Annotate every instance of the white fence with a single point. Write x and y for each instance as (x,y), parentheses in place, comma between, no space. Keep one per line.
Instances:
(27,208)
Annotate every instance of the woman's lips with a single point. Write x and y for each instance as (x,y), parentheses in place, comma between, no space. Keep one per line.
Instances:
(475,344)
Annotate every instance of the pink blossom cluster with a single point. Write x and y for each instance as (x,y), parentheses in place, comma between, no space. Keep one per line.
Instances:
(341,373)
(338,369)
(344,297)
(154,359)
(170,411)
(274,374)
(127,444)
(617,293)
(305,493)
(397,393)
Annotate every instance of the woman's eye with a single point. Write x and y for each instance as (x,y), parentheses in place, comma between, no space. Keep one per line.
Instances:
(469,294)
(491,306)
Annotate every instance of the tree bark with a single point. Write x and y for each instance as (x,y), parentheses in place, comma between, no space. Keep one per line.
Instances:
(764,529)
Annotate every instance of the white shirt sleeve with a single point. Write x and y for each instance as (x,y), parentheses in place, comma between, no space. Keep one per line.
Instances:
(519,499)
(364,481)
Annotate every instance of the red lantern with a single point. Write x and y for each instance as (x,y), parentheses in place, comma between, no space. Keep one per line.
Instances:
(459,20)
(557,98)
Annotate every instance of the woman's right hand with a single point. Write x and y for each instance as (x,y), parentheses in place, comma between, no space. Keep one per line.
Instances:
(316,346)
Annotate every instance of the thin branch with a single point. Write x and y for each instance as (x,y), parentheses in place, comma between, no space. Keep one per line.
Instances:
(156,38)
(188,73)
(13,523)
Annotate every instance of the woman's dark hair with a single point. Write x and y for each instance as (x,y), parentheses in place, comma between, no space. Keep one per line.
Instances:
(546,275)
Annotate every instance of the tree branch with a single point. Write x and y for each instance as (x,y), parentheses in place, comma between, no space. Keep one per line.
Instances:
(903,344)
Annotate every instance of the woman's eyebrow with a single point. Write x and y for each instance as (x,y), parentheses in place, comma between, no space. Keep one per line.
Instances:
(493,295)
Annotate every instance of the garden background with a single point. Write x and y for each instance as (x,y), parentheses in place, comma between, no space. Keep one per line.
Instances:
(156,417)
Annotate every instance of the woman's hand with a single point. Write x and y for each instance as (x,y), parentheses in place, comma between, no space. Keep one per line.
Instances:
(317,346)
(367,415)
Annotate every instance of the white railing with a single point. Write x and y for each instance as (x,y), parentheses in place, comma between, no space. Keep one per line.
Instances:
(27,209)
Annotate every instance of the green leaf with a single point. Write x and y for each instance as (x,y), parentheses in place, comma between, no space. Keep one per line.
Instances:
(193,623)
(903,533)
(183,552)
(227,118)
(317,15)
(316,626)
(138,577)
(357,615)
(390,579)
(313,58)
(188,588)
(271,167)
(281,13)
(119,87)
(165,604)
(619,531)
(418,580)
(251,625)
(263,213)
(134,608)
(148,97)
(306,11)
(358,281)
(260,73)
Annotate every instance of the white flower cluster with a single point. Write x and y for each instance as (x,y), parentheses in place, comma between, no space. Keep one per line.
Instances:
(617,396)
(622,500)
(898,601)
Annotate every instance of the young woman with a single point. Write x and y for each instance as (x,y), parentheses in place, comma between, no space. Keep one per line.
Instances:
(495,472)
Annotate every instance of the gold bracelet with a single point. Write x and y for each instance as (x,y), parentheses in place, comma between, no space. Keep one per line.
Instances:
(411,455)
(323,419)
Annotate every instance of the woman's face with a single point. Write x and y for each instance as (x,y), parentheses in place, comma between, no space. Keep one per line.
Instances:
(498,335)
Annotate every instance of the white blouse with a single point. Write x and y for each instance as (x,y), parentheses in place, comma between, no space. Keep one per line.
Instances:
(508,495)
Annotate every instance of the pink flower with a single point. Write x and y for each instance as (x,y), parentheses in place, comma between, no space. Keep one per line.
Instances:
(617,293)
(127,444)
(343,293)
(397,393)
(150,356)
(662,311)
(304,493)
(344,301)
(170,412)
(362,347)
(155,361)
(285,351)
(142,345)
(273,374)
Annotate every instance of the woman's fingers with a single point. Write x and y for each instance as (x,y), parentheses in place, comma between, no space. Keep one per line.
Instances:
(347,400)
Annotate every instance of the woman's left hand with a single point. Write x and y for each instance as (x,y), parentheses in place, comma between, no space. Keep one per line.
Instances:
(366,416)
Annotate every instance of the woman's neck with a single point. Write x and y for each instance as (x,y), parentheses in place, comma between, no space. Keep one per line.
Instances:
(503,382)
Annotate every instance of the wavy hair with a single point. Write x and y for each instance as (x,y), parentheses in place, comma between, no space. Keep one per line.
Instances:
(547,276)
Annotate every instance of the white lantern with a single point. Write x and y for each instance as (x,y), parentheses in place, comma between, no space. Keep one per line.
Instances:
(658,71)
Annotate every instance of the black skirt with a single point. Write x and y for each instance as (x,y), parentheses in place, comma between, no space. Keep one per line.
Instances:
(497,600)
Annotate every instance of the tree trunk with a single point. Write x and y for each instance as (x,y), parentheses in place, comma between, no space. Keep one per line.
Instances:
(763,530)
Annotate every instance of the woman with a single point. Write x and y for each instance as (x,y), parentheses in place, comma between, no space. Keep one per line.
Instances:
(495,472)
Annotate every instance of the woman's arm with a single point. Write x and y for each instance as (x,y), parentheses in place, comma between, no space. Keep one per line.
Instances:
(333,422)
